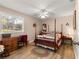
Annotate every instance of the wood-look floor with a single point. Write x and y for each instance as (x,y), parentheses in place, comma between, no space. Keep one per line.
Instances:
(65,52)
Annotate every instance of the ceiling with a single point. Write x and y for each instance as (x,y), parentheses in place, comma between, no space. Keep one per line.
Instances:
(32,7)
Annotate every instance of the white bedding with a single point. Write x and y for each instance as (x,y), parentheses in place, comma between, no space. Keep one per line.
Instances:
(48,36)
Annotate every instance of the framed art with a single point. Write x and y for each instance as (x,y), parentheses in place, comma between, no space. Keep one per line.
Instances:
(11,23)
(74,20)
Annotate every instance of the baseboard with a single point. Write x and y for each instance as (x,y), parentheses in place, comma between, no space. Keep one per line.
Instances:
(75,51)
(30,41)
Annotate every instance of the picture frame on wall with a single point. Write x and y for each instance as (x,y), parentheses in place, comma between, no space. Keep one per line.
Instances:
(10,23)
(74,20)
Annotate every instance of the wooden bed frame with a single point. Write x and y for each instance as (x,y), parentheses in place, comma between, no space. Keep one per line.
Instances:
(47,43)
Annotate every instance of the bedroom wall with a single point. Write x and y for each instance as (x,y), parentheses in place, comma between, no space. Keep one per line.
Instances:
(50,24)
(28,23)
(76,47)
(67,29)
(77,21)
(61,20)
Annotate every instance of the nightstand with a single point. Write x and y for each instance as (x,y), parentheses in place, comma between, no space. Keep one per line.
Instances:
(67,40)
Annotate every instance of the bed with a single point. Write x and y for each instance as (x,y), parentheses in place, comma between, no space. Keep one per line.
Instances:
(49,40)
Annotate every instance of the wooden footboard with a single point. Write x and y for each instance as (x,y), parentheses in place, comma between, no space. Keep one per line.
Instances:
(46,44)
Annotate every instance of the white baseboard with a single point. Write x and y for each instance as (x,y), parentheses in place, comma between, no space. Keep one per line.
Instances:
(30,41)
(74,47)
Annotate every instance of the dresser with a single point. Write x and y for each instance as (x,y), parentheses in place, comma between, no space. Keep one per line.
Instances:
(10,43)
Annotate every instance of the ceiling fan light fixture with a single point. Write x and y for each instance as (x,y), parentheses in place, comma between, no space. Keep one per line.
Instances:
(43,17)
(43,13)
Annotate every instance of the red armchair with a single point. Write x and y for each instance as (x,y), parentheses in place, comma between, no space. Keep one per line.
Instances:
(24,38)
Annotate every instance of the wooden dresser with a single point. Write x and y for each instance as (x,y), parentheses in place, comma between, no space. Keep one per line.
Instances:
(11,43)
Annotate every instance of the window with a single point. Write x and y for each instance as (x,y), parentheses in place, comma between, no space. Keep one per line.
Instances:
(10,23)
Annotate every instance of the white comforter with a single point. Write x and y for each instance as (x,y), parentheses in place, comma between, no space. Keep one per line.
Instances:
(48,36)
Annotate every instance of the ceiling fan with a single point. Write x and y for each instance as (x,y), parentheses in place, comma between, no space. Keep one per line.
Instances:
(43,14)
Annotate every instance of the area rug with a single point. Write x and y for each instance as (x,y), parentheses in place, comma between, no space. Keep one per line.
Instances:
(41,52)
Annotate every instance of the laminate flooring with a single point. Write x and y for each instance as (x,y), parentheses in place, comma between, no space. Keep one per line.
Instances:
(65,52)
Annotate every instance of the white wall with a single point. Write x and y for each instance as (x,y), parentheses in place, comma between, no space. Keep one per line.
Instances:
(50,23)
(76,47)
(77,19)
(28,23)
(66,29)
(61,20)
